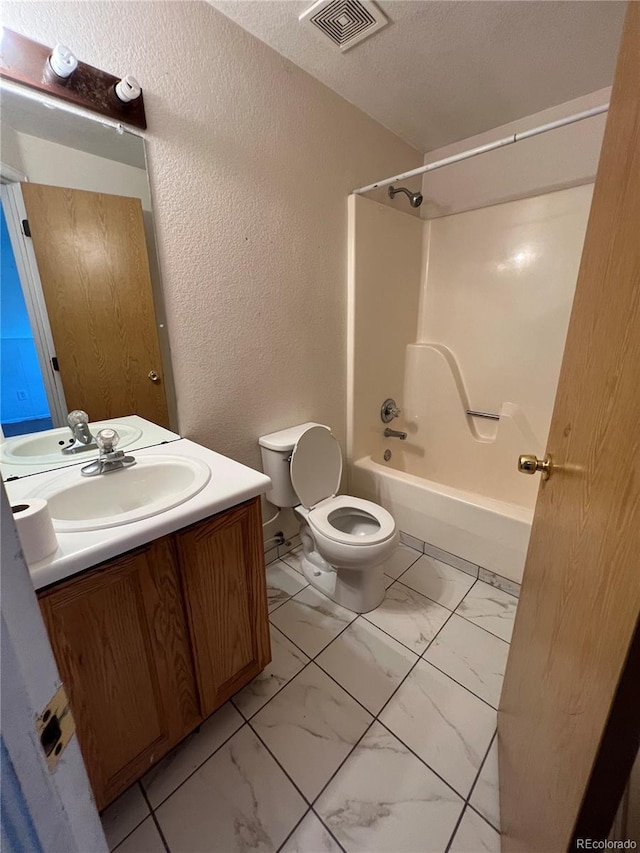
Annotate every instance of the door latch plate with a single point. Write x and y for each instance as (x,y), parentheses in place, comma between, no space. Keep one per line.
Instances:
(55,726)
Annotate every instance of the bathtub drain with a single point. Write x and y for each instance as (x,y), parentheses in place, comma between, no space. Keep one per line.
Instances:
(387,455)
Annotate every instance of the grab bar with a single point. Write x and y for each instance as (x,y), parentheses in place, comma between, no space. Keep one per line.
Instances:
(475,414)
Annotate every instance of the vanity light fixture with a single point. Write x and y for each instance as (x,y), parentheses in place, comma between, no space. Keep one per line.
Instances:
(128,89)
(23,61)
(62,61)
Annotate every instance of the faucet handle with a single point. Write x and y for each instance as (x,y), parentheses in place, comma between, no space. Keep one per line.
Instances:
(77,416)
(107,439)
(389,411)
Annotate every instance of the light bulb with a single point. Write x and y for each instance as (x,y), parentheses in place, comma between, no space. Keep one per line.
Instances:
(62,61)
(128,89)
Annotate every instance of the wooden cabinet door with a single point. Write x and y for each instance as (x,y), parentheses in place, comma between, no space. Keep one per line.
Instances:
(224,582)
(120,639)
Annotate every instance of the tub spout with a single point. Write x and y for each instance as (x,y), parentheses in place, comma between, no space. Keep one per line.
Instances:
(395,433)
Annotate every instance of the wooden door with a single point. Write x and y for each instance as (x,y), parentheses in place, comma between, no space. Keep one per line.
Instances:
(120,640)
(224,582)
(92,258)
(581,593)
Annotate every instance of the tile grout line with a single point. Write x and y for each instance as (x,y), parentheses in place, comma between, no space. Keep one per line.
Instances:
(279,848)
(154,818)
(475,783)
(138,825)
(467,804)
(202,763)
(279,690)
(323,824)
(277,761)
(462,616)
(246,720)
(340,766)
(422,761)
(482,817)
(459,683)
(414,665)
(482,628)
(375,717)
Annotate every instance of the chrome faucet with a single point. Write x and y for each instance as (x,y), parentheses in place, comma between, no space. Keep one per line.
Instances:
(395,433)
(82,438)
(109,459)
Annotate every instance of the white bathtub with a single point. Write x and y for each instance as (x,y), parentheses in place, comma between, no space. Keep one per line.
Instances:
(488,533)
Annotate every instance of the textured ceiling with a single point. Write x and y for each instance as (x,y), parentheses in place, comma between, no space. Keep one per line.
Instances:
(443,71)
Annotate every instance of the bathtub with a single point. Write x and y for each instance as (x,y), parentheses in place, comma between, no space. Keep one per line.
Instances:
(489,533)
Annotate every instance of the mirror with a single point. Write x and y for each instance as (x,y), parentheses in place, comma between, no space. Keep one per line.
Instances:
(82,315)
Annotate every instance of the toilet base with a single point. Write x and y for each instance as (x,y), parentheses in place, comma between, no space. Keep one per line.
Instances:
(358,590)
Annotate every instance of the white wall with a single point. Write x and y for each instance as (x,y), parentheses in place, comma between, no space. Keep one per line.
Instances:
(45,162)
(498,290)
(384,291)
(251,161)
(561,158)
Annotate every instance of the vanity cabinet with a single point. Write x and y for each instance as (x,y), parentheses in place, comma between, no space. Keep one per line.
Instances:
(226,601)
(151,643)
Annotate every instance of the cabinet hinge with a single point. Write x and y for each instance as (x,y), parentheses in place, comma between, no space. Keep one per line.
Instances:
(55,726)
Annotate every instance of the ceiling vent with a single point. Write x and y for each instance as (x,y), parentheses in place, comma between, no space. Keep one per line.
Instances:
(345,22)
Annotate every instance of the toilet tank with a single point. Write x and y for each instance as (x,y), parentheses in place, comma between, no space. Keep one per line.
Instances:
(275,450)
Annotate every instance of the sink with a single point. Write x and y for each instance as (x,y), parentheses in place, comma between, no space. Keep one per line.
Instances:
(43,448)
(151,486)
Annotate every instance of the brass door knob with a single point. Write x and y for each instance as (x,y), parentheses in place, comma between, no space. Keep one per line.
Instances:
(529,464)
(153,376)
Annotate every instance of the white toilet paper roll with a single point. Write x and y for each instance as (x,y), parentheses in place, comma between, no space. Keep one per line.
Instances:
(35,529)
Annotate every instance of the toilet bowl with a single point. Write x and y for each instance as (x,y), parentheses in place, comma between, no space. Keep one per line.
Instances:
(345,540)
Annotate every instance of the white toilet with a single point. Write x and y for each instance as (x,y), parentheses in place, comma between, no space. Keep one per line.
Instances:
(345,540)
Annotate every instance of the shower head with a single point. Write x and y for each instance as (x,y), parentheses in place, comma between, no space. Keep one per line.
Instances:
(415,199)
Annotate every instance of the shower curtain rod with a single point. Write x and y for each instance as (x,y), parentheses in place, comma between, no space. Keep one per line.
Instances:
(482,149)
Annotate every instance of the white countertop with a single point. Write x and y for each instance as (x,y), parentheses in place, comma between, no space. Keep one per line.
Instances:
(231,483)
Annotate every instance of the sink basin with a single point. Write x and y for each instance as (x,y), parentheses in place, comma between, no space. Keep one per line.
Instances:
(43,448)
(153,485)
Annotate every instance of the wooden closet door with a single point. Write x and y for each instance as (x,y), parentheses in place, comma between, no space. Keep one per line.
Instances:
(224,582)
(92,259)
(120,640)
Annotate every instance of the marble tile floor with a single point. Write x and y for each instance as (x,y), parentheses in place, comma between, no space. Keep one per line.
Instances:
(365,733)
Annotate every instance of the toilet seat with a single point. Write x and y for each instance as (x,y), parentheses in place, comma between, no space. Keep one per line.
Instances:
(320,520)
(316,466)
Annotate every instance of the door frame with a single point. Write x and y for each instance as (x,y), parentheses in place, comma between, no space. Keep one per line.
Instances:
(15,213)
(43,809)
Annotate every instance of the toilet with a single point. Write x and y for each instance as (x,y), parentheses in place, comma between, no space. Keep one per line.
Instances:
(345,540)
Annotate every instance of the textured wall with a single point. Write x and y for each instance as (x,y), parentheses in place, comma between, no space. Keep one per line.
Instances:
(250,161)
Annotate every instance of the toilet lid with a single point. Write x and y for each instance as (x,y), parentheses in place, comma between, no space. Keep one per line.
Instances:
(316,466)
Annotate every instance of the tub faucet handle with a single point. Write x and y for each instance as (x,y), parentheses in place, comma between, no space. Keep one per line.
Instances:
(389,411)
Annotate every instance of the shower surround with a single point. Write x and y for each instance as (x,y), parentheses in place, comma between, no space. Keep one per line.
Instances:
(465,312)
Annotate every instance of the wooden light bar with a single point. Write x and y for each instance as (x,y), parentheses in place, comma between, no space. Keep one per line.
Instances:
(27,62)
